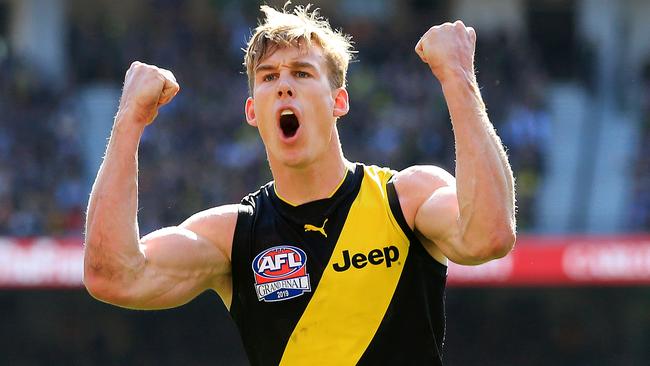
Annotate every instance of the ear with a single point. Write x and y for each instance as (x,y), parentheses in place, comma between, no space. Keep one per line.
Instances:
(341,102)
(249,110)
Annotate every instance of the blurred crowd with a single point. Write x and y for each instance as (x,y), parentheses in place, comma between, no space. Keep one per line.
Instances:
(41,171)
(200,152)
(640,212)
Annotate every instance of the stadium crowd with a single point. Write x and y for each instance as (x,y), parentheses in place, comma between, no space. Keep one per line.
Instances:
(640,212)
(41,175)
(201,153)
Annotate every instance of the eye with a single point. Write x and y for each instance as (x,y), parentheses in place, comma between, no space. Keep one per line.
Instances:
(269,77)
(302,74)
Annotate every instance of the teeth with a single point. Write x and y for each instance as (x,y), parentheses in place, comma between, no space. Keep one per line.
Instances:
(286,112)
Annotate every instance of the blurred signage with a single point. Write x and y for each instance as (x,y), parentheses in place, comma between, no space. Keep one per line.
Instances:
(560,261)
(40,262)
(535,261)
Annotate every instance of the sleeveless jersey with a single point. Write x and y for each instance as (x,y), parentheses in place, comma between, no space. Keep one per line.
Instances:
(337,281)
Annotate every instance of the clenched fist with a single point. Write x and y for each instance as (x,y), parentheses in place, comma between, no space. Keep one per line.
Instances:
(146,88)
(448,48)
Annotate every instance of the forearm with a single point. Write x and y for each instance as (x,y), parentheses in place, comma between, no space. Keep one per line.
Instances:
(484,181)
(111,243)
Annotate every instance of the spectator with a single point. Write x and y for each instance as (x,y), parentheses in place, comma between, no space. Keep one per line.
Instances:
(205,125)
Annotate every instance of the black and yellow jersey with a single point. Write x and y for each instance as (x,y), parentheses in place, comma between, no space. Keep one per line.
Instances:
(337,281)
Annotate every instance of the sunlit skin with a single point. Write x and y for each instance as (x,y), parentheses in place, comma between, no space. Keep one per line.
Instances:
(297,79)
(468,219)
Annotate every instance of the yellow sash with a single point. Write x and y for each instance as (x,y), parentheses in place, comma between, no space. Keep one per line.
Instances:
(349,304)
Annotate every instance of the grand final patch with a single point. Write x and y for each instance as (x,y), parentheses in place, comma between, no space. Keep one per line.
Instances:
(281,273)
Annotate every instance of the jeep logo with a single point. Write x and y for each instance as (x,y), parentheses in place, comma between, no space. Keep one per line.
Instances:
(375,257)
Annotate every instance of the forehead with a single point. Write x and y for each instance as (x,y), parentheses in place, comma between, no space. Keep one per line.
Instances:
(290,54)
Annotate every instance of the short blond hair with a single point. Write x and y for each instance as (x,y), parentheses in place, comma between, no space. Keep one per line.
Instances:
(298,28)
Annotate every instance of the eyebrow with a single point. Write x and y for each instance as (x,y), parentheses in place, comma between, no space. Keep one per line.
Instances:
(293,65)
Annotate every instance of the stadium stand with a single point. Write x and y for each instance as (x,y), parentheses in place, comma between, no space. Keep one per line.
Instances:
(41,165)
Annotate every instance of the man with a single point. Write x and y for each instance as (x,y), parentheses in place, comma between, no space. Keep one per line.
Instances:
(331,262)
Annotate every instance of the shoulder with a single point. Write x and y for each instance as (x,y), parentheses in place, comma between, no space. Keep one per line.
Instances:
(216,225)
(415,184)
(214,215)
(424,175)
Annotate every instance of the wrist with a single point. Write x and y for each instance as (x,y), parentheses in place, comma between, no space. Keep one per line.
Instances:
(454,75)
(459,82)
(128,119)
(127,122)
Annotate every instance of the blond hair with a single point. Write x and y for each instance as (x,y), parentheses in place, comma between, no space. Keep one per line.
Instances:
(298,28)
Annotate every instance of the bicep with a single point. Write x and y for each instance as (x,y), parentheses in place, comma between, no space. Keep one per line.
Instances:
(428,198)
(182,261)
(437,221)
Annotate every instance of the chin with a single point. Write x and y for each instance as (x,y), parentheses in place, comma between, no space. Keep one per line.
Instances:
(295,162)
(293,159)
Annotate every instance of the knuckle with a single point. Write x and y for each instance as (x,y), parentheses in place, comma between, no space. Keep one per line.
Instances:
(168,74)
(137,65)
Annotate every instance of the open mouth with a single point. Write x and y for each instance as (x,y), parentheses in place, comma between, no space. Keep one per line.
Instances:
(289,123)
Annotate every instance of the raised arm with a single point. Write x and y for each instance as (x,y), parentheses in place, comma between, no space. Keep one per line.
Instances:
(470,219)
(168,267)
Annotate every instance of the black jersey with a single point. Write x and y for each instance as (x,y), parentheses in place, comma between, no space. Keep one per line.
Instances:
(337,281)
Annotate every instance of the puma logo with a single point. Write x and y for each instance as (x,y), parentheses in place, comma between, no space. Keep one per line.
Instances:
(310,227)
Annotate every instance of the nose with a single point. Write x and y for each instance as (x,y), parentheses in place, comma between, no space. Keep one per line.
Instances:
(285,89)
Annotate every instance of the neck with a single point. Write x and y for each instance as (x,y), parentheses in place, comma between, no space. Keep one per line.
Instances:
(314,181)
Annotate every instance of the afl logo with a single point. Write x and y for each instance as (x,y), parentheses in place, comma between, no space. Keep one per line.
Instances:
(280,273)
